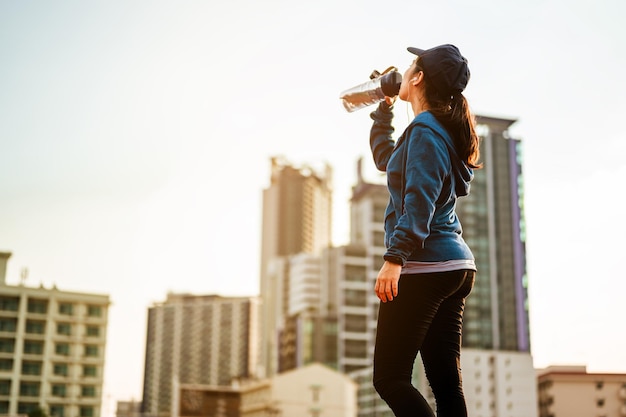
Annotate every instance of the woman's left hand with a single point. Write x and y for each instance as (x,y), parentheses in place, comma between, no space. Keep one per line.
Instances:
(387,282)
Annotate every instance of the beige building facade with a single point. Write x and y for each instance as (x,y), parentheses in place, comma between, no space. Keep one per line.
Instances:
(314,390)
(198,339)
(52,346)
(567,391)
(297,214)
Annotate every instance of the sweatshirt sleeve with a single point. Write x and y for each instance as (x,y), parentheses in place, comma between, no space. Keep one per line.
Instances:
(427,165)
(381,142)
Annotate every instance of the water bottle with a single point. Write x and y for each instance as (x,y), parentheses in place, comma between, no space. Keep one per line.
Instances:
(372,91)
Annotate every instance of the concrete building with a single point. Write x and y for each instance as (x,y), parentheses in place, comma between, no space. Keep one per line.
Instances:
(313,390)
(297,212)
(52,346)
(495,383)
(307,333)
(193,339)
(128,409)
(336,325)
(566,391)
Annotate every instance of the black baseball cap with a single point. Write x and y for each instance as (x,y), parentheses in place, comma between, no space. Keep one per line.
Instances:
(444,67)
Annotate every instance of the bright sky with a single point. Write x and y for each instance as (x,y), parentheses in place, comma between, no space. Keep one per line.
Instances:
(135,140)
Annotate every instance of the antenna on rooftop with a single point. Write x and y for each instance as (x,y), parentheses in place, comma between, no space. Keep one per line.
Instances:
(23,275)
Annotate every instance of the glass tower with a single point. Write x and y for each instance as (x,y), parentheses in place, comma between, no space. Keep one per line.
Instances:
(496,315)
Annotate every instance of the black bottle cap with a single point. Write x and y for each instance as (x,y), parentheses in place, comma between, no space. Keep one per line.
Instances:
(390,83)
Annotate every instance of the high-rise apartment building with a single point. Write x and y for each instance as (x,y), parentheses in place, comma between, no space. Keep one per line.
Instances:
(297,212)
(493,225)
(52,346)
(353,271)
(330,311)
(194,339)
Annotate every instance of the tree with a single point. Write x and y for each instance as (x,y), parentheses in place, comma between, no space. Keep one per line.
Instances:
(38,412)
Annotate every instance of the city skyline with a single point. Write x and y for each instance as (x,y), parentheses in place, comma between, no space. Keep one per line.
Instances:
(136,139)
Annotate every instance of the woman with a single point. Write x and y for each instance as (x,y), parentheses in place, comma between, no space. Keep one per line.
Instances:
(428,268)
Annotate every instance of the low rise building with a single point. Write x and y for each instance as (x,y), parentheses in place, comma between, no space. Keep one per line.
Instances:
(314,390)
(566,391)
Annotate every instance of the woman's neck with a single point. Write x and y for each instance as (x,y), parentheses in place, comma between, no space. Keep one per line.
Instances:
(419,106)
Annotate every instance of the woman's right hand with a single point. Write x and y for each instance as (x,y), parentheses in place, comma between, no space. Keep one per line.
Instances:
(390,100)
(386,287)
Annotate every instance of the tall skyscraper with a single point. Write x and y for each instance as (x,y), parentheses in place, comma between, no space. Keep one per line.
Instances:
(493,226)
(297,212)
(52,346)
(331,309)
(198,340)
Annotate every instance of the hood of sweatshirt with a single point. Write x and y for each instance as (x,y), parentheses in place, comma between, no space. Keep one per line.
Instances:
(461,173)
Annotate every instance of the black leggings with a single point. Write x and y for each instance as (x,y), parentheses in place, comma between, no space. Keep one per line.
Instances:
(425,317)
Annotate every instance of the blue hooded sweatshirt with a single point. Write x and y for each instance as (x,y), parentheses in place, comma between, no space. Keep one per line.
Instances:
(425,177)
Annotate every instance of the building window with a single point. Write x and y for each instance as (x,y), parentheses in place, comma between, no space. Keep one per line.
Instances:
(59,390)
(88,391)
(356,348)
(57,411)
(32,347)
(91,350)
(5,387)
(60,369)
(89,370)
(599,385)
(355,323)
(600,402)
(62,349)
(6,364)
(315,389)
(378,213)
(31,368)
(66,309)
(35,326)
(355,298)
(64,328)
(37,306)
(4,407)
(7,324)
(93,331)
(355,273)
(86,411)
(9,303)
(377,262)
(26,408)
(315,412)
(7,345)
(94,311)
(379,238)
(29,389)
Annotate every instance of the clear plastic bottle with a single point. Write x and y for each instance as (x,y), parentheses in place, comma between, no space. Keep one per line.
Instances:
(372,91)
